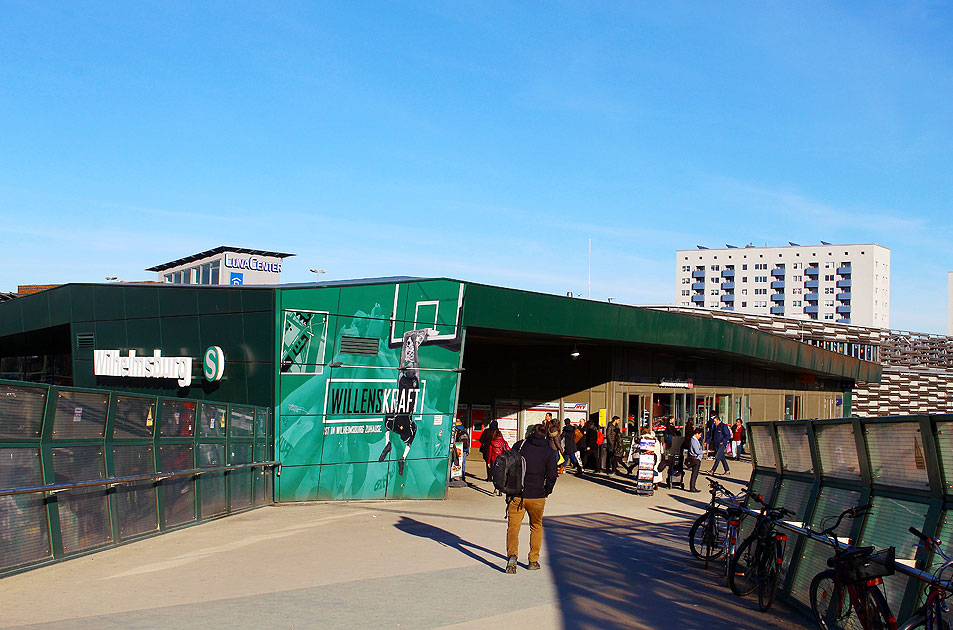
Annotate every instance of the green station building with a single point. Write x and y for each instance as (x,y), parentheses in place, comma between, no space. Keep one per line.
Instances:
(363,378)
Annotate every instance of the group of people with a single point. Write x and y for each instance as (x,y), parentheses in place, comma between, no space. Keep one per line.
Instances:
(549,448)
(717,438)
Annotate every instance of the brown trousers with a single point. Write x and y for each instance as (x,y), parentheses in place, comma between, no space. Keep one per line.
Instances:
(515,514)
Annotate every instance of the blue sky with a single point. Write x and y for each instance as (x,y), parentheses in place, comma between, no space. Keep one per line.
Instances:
(482,141)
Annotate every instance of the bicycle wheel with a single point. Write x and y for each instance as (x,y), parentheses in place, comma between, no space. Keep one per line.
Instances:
(916,622)
(706,536)
(769,574)
(876,609)
(829,603)
(743,569)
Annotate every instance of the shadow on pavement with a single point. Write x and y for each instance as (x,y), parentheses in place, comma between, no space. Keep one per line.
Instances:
(616,572)
(442,536)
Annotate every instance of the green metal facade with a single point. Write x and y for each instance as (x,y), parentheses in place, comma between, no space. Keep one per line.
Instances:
(362,377)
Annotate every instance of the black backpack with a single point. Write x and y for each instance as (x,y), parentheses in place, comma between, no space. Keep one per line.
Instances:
(508,472)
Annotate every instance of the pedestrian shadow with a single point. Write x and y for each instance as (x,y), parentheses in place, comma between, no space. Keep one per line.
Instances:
(449,539)
(622,484)
(613,572)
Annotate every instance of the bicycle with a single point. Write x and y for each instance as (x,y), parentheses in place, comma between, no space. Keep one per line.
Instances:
(854,570)
(931,614)
(709,531)
(757,563)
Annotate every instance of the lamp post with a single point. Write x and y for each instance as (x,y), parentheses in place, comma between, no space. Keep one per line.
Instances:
(317,274)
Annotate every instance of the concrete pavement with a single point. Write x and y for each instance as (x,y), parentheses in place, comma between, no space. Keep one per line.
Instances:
(611,559)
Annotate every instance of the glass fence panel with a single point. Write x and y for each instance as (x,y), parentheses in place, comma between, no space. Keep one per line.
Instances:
(793,494)
(84,512)
(261,423)
(944,444)
(24,535)
(178,495)
(259,474)
(795,448)
(136,502)
(213,421)
(888,525)
(763,446)
(241,422)
(21,411)
(240,481)
(178,418)
(896,454)
(134,417)
(761,484)
(79,415)
(212,484)
(837,450)
(814,555)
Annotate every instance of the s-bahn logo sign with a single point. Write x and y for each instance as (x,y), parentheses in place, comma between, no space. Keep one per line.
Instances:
(213,365)
(113,363)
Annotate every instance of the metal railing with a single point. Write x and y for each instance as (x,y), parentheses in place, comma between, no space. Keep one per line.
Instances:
(53,488)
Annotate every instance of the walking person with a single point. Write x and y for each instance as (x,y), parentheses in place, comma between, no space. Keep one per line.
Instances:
(539,479)
(460,435)
(569,445)
(694,460)
(486,438)
(614,442)
(736,433)
(719,440)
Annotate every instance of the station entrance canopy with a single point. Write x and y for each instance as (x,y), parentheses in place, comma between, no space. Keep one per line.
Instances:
(365,376)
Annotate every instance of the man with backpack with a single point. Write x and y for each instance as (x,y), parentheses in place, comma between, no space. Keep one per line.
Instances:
(538,476)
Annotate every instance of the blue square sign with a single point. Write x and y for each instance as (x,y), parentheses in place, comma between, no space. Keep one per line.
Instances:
(237,278)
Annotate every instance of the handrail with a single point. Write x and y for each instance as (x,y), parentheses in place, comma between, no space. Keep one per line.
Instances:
(53,488)
(898,566)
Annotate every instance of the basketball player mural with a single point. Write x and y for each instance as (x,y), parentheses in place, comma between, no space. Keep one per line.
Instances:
(401,421)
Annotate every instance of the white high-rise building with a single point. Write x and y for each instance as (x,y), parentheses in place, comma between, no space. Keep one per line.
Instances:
(847,284)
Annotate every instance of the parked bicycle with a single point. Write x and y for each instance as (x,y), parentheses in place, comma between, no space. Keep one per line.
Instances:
(853,583)
(708,534)
(934,614)
(757,563)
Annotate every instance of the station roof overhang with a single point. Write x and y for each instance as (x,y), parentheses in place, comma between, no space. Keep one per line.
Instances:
(512,314)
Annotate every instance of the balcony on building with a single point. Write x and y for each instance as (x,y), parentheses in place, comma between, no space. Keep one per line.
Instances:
(843,320)
(728,298)
(698,273)
(777,297)
(777,273)
(698,286)
(810,309)
(777,284)
(843,284)
(843,309)
(727,285)
(843,296)
(777,310)
(728,273)
(698,298)
(811,271)
(844,271)
(811,297)
(810,284)
(727,307)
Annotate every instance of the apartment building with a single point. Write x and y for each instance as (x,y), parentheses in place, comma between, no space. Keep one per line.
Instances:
(844,284)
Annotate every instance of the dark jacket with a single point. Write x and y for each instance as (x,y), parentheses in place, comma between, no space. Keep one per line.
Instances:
(540,475)
(720,436)
(569,439)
